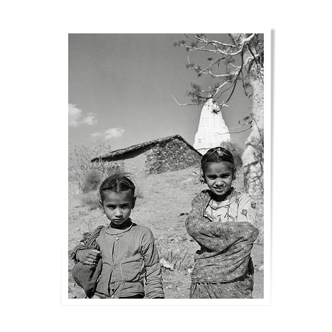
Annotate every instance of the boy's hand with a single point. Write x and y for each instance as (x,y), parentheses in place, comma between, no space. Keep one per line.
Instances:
(88,256)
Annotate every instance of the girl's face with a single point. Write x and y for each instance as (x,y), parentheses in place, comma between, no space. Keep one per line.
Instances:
(219,176)
(117,207)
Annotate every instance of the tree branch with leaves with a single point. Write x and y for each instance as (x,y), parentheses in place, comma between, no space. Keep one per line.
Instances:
(231,56)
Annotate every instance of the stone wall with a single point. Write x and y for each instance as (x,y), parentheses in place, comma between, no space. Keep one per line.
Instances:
(170,156)
(135,164)
(162,157)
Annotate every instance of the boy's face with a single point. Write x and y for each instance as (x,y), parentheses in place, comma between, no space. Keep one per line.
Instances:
(219,177)
(117,207)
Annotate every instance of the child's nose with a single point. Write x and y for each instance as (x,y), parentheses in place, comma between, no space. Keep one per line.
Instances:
(118,212)
(218,181)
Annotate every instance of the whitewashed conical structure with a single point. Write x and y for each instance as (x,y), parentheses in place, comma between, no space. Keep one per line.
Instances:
(212,130)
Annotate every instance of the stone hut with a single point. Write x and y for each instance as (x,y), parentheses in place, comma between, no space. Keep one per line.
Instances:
(162,155)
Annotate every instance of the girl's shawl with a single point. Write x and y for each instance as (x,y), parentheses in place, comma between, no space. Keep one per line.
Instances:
(225,246)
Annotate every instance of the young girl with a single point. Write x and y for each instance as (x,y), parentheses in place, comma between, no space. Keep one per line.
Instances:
(124,251)
(221,222)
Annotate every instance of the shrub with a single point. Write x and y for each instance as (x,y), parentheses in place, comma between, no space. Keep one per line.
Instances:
(92,181)
(79,161)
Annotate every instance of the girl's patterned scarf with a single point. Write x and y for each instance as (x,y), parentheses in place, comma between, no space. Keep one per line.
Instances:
(225,247)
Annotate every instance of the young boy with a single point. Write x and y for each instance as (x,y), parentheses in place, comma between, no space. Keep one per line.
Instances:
(129,263)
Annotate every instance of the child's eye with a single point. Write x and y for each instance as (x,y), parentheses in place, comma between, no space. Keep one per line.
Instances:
(112,207)
(222,176)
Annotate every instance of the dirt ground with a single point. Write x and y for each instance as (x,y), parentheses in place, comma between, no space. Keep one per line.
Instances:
(162,204)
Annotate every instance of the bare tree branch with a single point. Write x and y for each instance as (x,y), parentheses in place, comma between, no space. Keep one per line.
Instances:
(236,132)
(199,42)
(187,104)
(217,43)
(195,104)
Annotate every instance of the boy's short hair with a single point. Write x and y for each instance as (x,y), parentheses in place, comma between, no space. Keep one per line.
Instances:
(117,182)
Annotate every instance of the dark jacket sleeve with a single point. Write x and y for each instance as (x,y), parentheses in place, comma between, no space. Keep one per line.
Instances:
(153,277)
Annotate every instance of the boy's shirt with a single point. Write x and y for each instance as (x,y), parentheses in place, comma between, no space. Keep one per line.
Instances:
(130,263)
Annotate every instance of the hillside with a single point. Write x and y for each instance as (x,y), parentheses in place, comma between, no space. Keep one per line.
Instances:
(162,204)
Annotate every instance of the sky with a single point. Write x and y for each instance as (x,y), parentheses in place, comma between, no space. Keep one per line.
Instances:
(120,89)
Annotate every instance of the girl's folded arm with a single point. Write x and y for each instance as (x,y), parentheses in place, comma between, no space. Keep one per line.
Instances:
(213,235)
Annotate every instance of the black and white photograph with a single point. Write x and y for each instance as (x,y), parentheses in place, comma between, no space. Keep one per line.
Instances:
(166,166)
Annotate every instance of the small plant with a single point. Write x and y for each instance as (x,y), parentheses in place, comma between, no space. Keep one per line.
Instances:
(178,259)
(92,181)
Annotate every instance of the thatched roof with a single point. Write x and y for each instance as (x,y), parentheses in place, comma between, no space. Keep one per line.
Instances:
(141,146)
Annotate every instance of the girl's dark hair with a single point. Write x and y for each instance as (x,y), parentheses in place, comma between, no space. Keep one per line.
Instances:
(117,183)
(216,155)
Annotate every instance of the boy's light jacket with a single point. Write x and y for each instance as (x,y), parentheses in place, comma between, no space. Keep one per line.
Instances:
(225,246)
(130,263)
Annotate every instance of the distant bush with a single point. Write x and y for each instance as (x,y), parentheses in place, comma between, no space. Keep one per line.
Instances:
(79,162)
(92,181)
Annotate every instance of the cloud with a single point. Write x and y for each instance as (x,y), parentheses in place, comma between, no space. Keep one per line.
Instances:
(114,133)
(90,119)
(75,117)
(96,134)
